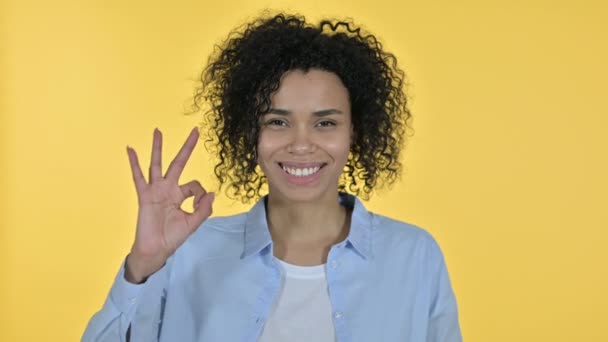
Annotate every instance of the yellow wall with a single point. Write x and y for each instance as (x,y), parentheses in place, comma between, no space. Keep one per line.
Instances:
(507,167)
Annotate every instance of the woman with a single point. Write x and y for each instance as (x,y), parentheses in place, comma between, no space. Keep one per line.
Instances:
(310,112)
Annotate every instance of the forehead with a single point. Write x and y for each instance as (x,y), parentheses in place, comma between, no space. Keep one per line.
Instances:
(311,90)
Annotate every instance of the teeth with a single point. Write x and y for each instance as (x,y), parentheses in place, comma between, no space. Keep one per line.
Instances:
(304,172)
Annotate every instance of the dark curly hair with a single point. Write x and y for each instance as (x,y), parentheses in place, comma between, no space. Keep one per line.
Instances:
(244,71)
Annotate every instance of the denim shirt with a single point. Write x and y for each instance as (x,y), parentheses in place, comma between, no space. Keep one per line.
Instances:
(387,281)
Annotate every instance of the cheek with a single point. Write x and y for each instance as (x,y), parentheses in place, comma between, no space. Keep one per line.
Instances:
(265,148)
(339,149)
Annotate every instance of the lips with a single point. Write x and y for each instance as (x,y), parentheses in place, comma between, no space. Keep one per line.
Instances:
(301,169)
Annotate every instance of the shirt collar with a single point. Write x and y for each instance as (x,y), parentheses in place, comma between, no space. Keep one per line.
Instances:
(257,235)
(360,234)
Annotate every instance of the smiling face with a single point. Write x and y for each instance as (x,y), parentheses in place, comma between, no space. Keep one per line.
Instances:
(305,138)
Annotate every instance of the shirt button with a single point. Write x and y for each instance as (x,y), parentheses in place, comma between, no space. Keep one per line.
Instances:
(333,264)
(338,315)
(132,300)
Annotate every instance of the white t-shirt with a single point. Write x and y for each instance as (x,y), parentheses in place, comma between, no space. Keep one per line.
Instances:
(302,312)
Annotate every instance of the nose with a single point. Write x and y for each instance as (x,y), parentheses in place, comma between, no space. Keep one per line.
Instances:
(301,142)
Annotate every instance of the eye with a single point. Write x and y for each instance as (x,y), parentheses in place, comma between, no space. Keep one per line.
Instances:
(326,123)
(275,122)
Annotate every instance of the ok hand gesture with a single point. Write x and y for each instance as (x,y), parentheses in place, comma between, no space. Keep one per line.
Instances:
(162,226)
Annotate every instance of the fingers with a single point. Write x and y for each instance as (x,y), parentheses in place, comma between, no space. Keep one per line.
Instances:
(138,176)
(192,188)
(203,202)
(155,163)
(178,164)
(203,210)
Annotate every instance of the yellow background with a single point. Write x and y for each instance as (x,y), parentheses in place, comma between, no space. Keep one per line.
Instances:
(507,168)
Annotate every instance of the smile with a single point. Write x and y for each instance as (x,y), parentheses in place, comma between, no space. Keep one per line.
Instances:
(301,171)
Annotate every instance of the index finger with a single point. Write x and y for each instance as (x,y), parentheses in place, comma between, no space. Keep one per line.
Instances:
(177,165)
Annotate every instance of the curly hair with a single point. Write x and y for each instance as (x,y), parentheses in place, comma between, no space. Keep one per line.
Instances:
(244,71)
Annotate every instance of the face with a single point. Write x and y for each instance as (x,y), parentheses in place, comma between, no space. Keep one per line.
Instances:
(305,138)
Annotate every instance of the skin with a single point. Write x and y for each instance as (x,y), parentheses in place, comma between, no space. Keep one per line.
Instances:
(309,124)
(162,225)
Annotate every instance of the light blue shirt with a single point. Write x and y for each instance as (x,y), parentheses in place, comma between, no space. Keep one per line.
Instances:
(387,281)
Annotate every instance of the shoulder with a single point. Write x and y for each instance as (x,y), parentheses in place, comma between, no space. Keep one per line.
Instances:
(390,234)
(228,224)
(385,225)
(396,229)
(221,225)
(219,236)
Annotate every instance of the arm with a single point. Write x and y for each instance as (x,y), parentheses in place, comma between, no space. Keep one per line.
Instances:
(135,307)
(443,320)
(135,304)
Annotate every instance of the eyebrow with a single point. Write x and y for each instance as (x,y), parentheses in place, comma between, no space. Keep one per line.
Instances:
(324,112)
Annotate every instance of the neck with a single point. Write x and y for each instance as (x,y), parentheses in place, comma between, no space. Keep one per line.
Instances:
(306,222)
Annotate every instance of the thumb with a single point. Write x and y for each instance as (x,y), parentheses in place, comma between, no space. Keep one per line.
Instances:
(203,209)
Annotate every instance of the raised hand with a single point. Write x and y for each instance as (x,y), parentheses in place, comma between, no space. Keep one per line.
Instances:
(162,226)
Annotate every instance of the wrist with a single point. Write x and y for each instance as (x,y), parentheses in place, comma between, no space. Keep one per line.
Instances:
(134,272)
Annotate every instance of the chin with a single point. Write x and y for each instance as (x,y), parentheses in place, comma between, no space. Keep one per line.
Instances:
(302,194)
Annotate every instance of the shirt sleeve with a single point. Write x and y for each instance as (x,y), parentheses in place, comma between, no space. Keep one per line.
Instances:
(137,305)
(443,316)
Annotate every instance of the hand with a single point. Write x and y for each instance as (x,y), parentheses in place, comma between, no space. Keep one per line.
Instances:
(162,226)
